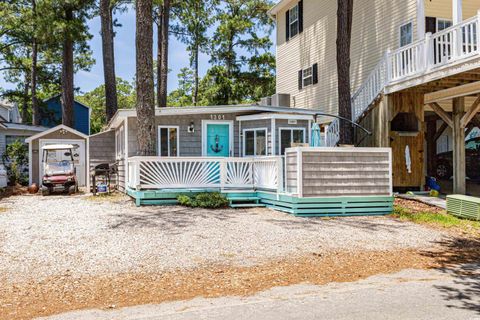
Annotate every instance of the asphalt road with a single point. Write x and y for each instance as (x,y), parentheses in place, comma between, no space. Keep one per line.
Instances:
(410,294)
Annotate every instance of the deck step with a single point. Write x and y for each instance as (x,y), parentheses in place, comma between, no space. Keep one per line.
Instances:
(247,205)
(232,199)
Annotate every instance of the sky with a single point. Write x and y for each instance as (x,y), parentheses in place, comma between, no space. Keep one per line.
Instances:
(125,56)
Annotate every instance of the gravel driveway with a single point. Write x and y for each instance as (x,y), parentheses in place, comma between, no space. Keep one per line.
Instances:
(58,235)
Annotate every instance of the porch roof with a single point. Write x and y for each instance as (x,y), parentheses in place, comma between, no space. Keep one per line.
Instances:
(121,114)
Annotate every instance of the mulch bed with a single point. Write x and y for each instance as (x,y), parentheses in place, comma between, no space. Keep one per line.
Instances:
(416,206)
(64,293)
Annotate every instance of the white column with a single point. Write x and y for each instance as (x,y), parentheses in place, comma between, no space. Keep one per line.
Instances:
(457,11)
(420,19)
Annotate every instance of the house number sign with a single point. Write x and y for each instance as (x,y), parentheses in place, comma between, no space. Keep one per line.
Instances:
(217,117)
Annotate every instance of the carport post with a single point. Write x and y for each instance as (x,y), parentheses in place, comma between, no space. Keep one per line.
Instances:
(459,167)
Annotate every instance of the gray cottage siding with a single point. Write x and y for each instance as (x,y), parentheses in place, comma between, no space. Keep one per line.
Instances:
(190,144)
(327,174)
(102,148)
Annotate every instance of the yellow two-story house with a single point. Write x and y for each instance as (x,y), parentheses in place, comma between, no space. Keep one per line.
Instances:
(415,67)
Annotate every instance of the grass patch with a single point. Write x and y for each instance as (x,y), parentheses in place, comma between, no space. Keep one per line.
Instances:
(2,209)
(105,197)
(437,219)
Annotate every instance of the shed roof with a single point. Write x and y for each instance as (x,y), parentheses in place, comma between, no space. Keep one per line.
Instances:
(59,127)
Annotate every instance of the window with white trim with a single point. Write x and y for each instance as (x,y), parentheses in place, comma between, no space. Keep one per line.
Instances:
(293,21)
(307,75)
(168,141)
(254,142)
(406,34)
(443,24)
(120,142)
(289,136)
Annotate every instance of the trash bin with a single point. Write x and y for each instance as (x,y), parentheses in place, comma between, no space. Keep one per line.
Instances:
(3,177)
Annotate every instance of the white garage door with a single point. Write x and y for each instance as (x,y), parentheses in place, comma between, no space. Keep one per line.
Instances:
(78,156)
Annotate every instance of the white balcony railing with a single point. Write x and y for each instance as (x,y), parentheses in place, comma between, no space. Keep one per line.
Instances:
(441,49)
(146,173)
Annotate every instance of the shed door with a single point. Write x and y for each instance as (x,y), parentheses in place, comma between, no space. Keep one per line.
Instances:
(78,156)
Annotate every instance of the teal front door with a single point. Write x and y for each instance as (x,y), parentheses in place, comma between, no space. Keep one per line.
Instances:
(218,140)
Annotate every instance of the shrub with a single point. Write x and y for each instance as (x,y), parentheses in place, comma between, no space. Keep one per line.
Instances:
(211,200)
(184,200)
(15,160)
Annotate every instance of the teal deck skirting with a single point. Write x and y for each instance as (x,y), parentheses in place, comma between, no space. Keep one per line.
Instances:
(304,207)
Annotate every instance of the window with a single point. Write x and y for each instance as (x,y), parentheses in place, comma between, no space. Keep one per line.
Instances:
(443,24)
(11,139)
(293,21)
(120,142)
(307,76)
(406,34)
(255,142)
(168,141)
(289,136)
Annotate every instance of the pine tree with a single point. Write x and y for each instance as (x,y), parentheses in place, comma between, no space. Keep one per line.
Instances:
(344,34)
(144,78)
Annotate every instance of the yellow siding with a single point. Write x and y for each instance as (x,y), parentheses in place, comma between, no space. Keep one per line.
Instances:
(376,26)
(443,8)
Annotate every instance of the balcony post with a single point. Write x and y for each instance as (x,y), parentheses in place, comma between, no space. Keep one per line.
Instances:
(388,59)
(428,51)
(457,11)
(420,19)
(478,30)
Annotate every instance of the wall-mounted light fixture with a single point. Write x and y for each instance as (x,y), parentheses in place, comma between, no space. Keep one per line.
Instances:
(191,128)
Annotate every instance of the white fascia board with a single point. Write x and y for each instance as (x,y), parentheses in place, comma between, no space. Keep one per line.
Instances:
(125,113)
(59,127)
(270,116)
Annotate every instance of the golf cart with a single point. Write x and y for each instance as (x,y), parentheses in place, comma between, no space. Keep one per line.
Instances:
(58,169)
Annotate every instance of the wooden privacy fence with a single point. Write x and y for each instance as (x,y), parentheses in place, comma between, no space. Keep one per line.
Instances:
(204,173)
(338,172)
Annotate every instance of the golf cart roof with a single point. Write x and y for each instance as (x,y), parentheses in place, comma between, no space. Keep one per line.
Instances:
(58,147)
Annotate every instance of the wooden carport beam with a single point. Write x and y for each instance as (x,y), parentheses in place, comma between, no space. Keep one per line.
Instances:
(472,112)
(442,114)
(451,93)
(459,167)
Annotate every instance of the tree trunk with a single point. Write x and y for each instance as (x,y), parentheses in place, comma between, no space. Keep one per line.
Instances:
(35,107)
(159,55)
(67,74)
(344,32)
(144,78)
(162,99)
(25,98)
(195,74)
(111,104)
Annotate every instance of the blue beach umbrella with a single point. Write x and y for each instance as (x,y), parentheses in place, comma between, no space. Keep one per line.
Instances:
(316,138)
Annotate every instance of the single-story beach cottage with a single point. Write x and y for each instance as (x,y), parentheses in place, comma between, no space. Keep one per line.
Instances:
(258,155)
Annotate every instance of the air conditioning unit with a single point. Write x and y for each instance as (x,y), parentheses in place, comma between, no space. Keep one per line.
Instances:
(281,100)
(464,207)
(266,101)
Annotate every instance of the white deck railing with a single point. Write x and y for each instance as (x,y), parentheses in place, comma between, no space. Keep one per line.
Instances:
(441,49)
(196,173)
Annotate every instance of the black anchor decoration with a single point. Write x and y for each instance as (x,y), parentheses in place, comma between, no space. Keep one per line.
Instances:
(217,147)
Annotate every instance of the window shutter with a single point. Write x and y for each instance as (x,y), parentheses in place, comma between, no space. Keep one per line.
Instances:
(300,79)
(287,25)
(300,16)
(430,24)
(315,73)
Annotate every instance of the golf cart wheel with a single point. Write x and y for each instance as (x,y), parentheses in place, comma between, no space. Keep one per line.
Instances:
(72,189)
(45,191)
(444,171)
